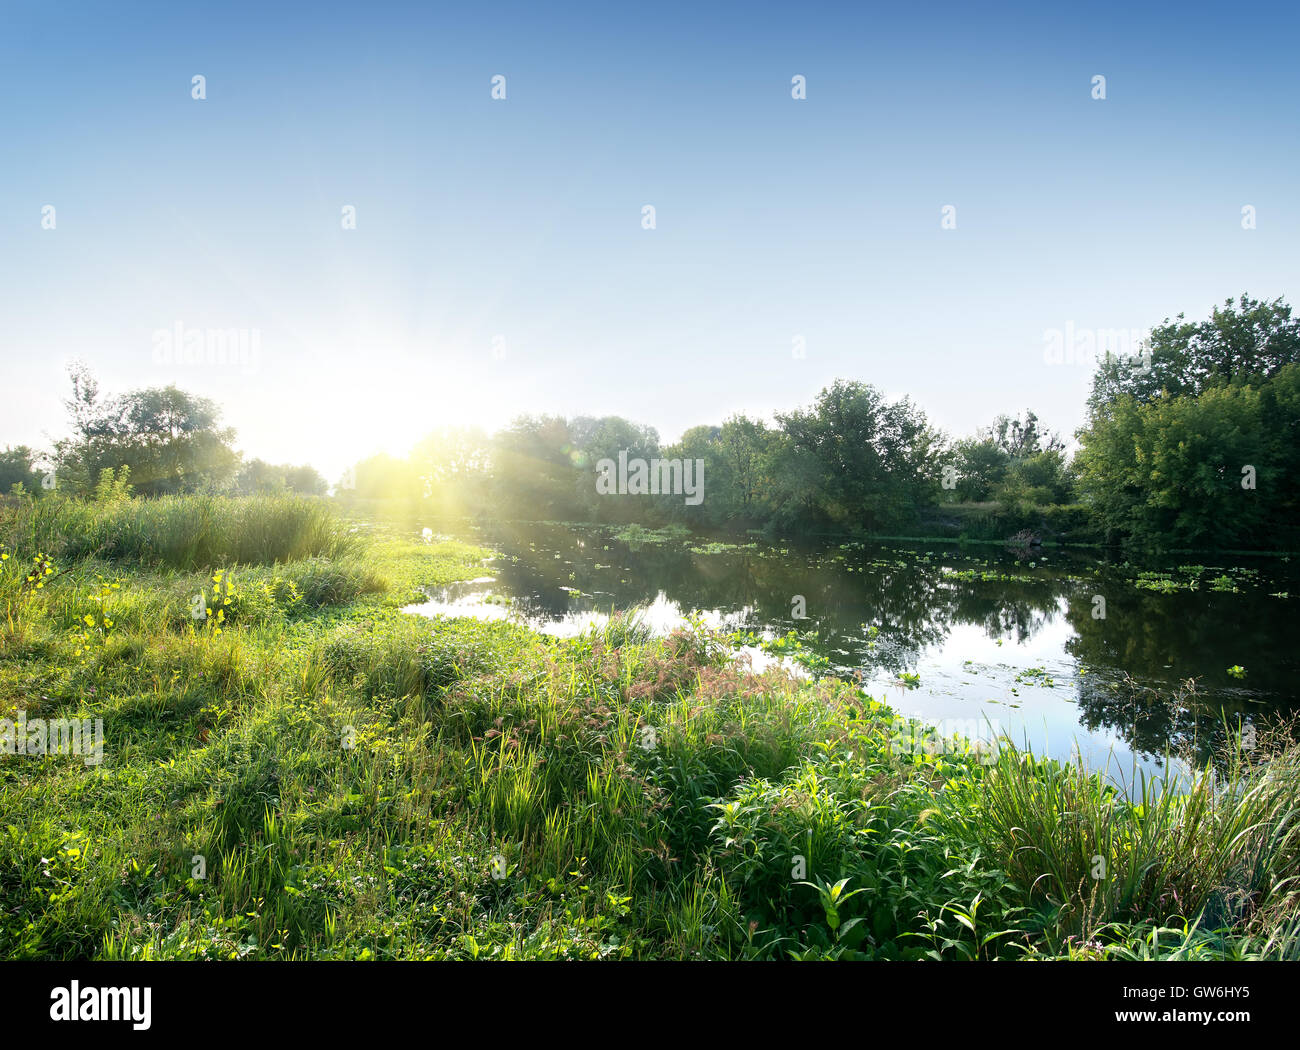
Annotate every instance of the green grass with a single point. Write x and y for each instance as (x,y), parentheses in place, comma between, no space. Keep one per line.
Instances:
(182,532)
(361,783)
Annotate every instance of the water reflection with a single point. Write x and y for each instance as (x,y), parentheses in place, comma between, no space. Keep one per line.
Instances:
(1008,638)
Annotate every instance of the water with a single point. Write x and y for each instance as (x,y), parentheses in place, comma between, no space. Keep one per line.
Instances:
(1007,641)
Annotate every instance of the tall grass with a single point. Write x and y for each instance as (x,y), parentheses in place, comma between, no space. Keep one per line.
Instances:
(1221,850)
(181,532)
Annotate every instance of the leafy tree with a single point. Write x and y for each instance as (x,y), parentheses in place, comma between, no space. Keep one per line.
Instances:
(1248,341)
(454,466)
(745,451)
(981,465)
(1170,473)
(1013,460)
(1165,453)
(1017,438)
(305,479)
(172,441)
(533,469)
(738,463)
(1040,478)
(18,467)
(259,476)
(856,462)
(594,439)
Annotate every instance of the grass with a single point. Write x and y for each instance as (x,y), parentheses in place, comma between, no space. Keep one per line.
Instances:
(183,532)
(318,775)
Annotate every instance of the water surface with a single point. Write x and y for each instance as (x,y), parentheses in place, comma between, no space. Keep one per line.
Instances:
(1007,641)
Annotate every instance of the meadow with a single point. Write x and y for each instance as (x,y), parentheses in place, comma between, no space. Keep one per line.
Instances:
(296,769)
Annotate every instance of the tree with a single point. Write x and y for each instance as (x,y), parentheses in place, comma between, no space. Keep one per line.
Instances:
(745,448)
(594,439)
(1202,449)
(18,467)
(1209,470)
(980,465)
(172,441)
(737,458)
(259,476)
(856,462)
(1040,478)
(305,480)
(1013,460)
(533,469)
(1249,341)
(454,465)
(1017,439)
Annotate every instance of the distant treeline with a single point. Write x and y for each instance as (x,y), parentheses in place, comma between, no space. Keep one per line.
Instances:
(850,462)
(1195,442)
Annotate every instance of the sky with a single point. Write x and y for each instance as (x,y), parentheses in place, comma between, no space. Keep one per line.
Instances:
(500,262)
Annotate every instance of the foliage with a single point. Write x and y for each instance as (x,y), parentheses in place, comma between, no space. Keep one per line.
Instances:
(183,532)
(1218,469)
(257,476)
(171,441)
(18,467)
(363,784)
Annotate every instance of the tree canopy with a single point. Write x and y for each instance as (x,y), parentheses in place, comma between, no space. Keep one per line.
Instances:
(1202,449)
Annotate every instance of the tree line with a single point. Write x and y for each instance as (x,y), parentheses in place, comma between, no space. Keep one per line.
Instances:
(1191,444)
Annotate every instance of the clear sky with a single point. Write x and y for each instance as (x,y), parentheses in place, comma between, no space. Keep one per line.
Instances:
(520,220)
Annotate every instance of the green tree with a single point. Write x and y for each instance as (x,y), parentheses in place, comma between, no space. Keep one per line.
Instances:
(745,452)
(1165,452)
(1013,460)
(171,440)
(856,462)
(18,467)
(259,476)
(980,466)
(594,439)
(534,464)
(1210,470)
(738,463)
(1247,341)
(454,465)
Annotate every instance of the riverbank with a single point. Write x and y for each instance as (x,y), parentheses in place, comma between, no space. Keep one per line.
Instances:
(295,769)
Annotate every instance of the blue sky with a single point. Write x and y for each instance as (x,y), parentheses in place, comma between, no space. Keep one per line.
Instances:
(520,220)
